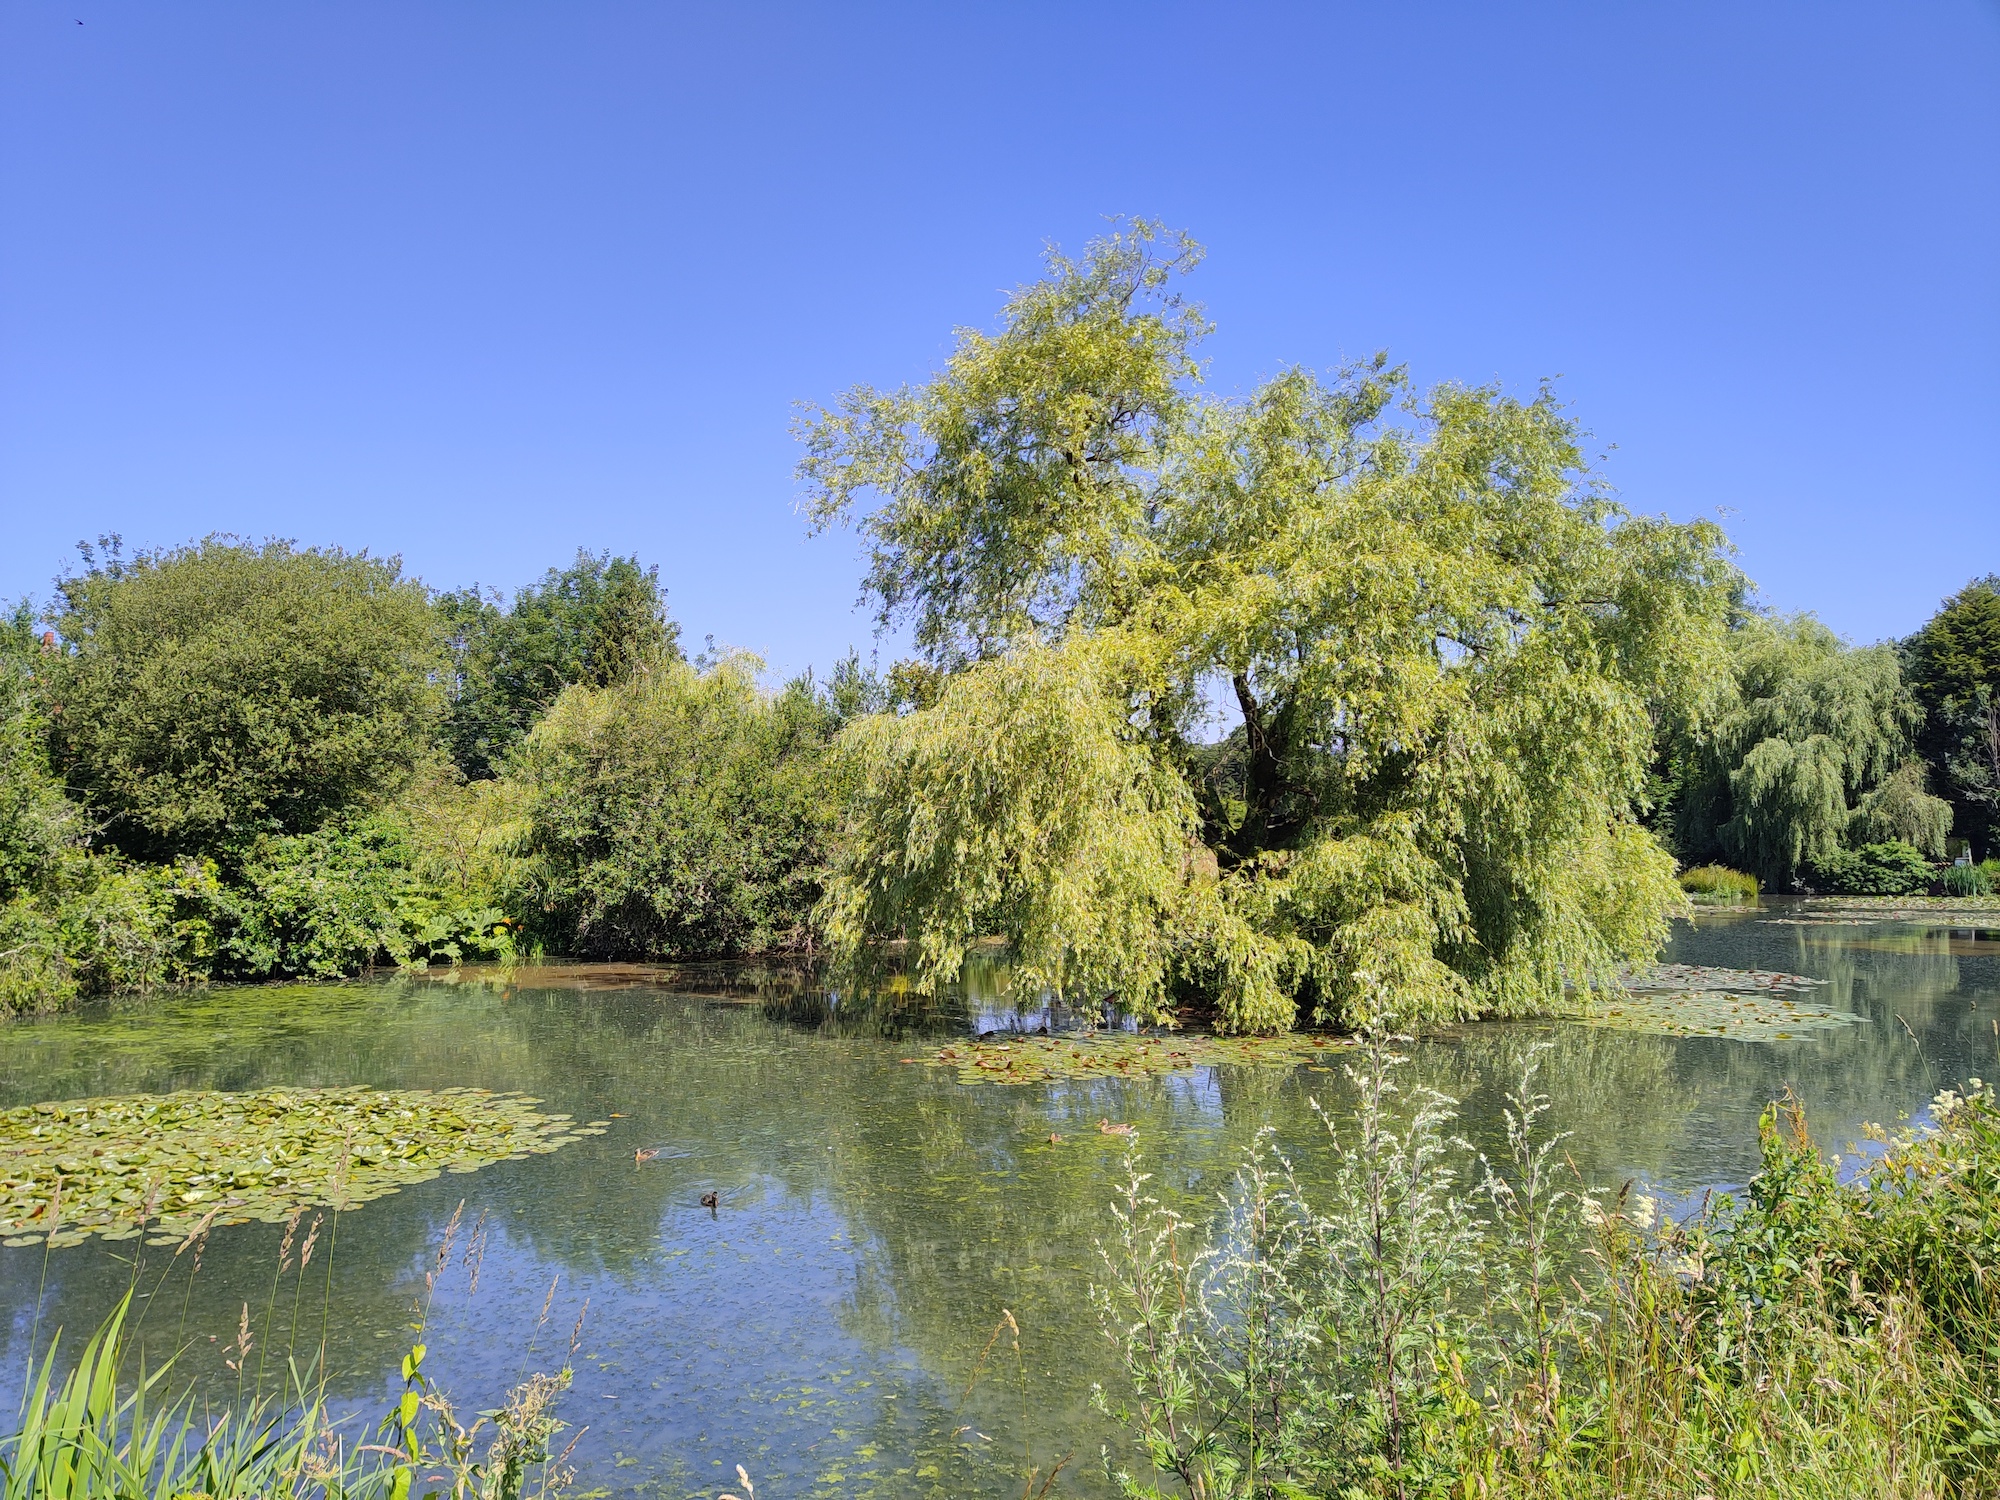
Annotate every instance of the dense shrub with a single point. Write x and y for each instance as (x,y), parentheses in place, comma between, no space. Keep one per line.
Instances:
(680,813)
(219,691)
(1889,869)
(345,897)
(102,924)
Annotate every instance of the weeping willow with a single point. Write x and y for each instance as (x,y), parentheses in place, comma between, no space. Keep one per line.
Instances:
(1811,751)
(1334,699)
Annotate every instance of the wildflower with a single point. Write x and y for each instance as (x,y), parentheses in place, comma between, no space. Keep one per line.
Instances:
(1644,1210)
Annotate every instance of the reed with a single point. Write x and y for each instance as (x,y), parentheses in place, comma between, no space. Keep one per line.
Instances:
(1718,885)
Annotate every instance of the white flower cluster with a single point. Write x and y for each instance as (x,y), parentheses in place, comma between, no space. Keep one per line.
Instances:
(1949,1101)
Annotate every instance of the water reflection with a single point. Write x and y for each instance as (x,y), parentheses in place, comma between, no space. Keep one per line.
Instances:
(874,1216)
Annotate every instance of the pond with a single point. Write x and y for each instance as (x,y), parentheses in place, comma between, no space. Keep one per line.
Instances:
(822,1323)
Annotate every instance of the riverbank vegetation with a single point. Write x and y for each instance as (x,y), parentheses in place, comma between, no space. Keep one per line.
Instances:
(1288,707)
(1444,1324)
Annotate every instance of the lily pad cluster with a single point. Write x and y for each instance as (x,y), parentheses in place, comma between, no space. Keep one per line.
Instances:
(169,1165)
(1704,978)
(1697,1000)
(1937,910)
(1114,1054)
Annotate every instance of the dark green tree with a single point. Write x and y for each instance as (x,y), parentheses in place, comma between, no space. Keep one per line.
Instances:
(205,694)
(592,623)
(1954,669)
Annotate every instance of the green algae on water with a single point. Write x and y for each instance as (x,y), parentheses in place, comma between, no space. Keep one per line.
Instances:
(168,1165)
(1035,1059)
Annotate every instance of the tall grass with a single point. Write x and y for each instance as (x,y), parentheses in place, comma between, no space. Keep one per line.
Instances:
(1967,880)
(1438,1324)
(103,1433)
(1718,885)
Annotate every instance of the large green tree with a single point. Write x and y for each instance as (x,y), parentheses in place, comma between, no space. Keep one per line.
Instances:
(1809,751)
(209,693)
(594,622)
(1441,642)
(1954,669)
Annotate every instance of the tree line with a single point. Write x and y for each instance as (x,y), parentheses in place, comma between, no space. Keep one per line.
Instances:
(1338,698)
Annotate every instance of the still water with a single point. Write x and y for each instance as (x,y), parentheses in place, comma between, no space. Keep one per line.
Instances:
(822,1324)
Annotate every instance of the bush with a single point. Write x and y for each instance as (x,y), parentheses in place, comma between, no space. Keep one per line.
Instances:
(678,814)
(1719,883)
(347,897)
(101,925)
(1967,880)
(220,691)
(1892,869)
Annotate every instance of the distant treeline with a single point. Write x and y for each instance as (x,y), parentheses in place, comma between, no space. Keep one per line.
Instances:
(1475,714)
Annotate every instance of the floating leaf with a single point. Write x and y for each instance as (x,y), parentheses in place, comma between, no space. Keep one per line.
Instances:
(1698,1000)
(1121,1054)
(169,1163)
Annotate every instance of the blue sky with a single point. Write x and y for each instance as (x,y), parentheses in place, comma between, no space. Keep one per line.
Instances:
(483,283)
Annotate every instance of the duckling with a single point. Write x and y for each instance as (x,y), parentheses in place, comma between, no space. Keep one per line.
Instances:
(709,1201)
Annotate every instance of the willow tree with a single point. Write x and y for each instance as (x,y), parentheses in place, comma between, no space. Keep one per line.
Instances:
(1810,750)
(1440,642)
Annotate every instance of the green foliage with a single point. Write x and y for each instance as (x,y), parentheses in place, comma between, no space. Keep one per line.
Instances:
(677,813)
(1808,750)
(1886,869)
(1022,802)
(594,623)
(1967,880)
(1954,668)
(217,691)
(38,825)
(94,1436)
(347,896)
(1443,641)
(1442,1325)
(1719,883)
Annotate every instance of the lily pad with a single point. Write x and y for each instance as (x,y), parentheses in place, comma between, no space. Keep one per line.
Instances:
(1948,911)
(1124,1055)
(173,1164)
(1684,979)
(1750,1018)
(1697,1000)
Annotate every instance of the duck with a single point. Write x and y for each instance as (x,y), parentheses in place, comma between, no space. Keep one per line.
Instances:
(709,1201)
(1105,1127)
(644,1154)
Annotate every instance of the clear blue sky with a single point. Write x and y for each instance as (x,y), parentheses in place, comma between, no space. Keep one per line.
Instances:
(482,283)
